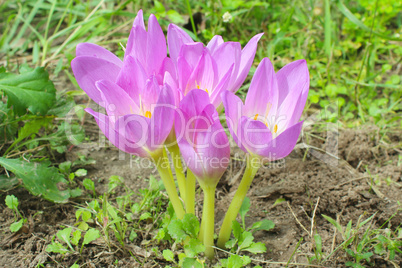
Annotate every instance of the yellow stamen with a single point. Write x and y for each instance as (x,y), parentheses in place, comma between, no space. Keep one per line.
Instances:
(275,128)
(198,87)
(148,114)
(255,117)
(207,91)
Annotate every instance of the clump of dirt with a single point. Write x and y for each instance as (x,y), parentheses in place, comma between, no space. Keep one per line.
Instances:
(362,177)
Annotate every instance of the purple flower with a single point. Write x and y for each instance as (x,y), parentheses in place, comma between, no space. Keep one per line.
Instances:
(201,137)
(213,68)
(267,125)
(139,106)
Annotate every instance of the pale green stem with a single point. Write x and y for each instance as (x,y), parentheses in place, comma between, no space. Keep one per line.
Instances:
(163,166)
(208,219)
(178,167)
(252,167)
(190,192)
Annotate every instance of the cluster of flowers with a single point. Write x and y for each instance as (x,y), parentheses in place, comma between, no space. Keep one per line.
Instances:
(154,101)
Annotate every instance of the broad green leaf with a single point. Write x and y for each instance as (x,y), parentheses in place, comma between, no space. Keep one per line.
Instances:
(245,207)
(168,255)
(264,225)
(318,242)
(12,202)
(192,262)
(256,248)
(191,224)
(8,126)
(231,243)
(193,248)
(175,16)
(38,178)
(236,229)
(64,235)
(81,172)
(76,237)
(57,247)
(15,226)
(6,183)
(88,184)
(176,231)
(246,240)
(91,235)
(235,261)
(30,90)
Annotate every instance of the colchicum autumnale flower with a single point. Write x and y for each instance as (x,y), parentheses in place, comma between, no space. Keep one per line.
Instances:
(214,68)
(206,152)
(140,108)
(267,126)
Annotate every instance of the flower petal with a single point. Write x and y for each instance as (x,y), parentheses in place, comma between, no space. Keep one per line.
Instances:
(282,145)
(254,135)
(137,45)
(114,136)
(226,56)
(294,82)
(162,118)
(194,102)
(156,46)
(92,50)
(87,70)
(132,78)
(215,42)
(247,58)
(139,20)
(176,37)
(263,93)
(204,74)
(233,111)
(117,101)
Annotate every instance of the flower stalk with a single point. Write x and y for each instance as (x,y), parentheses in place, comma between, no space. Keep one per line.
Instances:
(252,166)
(190,192)
(178,167)
(208,218)
(163,166)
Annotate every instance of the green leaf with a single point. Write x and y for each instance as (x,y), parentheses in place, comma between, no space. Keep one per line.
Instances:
(91,235)
(64,235)
(245,207)
(264,225)
(236,229)
(133,235)
(12,202)
(15,226)
(334,223)
(176,231)
(192,262)
(57,247)
(255,248)
(8,126)
(191,224)
(81,172)
(231,243)
(175,16)
(193,248)
(318,243)
(145,216)
(6,183)
(38,178)
(76,237)
(30,90)
(235,261)
(65,167)
(168,255)
(88,184)
(246,240)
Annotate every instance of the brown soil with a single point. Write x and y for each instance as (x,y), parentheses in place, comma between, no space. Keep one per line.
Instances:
(366,179)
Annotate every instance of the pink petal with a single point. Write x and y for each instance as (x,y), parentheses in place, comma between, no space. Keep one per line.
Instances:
(117,101)
(92,50)
(254,135)
(226,56)
(132,78)
(139,20)
(162,118)
(282,145)
(137,45)
(115,137)
(194,102)
(176,37)
(156,46)
(215,42)
(87,70)
(263,93)
(247,58)
(233,111)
